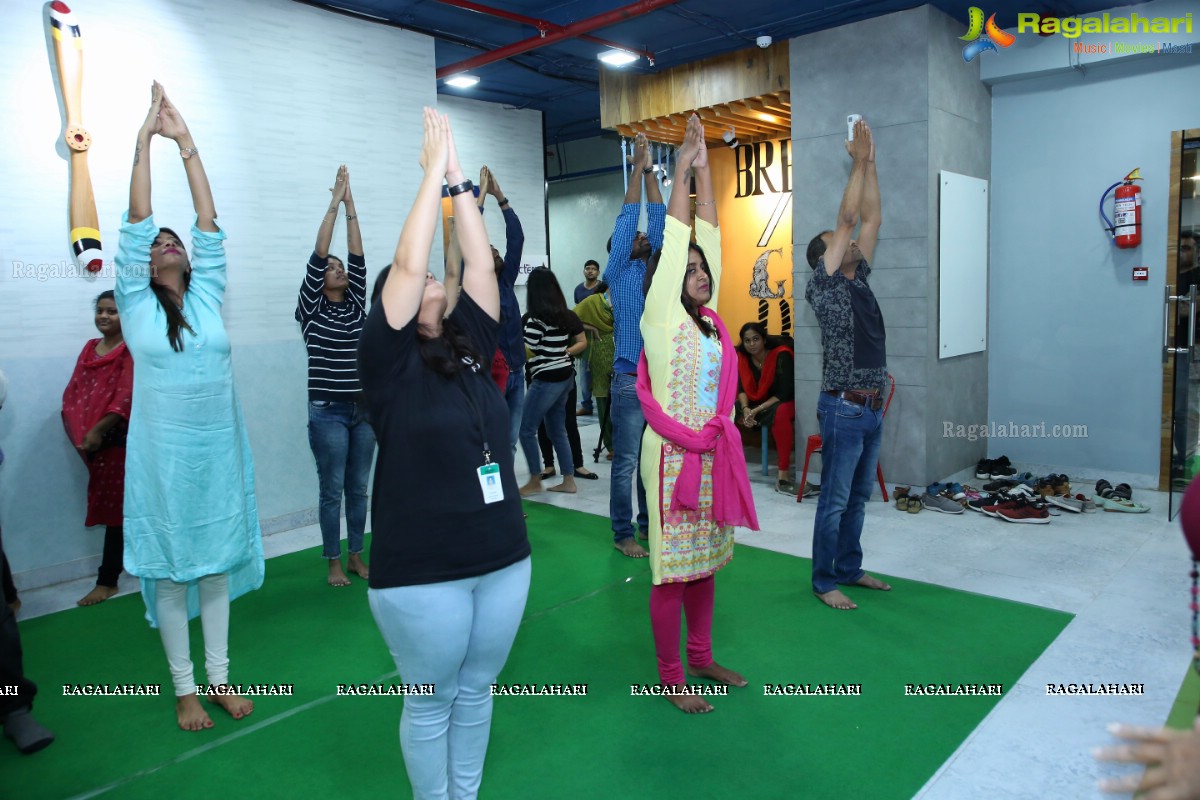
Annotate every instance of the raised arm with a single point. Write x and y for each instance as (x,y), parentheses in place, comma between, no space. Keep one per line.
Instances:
(851,206)
(479,269)
(640,160)
(325,231)
(173,127)
(354,245)
(401,296)
(680,205)
(453,279)
(872,213)
(139,182)
(706,199)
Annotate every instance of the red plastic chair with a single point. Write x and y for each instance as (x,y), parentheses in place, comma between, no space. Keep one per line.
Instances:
(814,446)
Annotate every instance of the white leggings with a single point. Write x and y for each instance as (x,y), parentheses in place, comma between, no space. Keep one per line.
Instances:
(214,621)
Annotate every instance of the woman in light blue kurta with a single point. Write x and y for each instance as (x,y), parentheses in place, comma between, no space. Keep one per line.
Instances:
(191,520)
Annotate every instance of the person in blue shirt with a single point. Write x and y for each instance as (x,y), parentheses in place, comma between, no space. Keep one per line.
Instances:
(628,250)
(512,334)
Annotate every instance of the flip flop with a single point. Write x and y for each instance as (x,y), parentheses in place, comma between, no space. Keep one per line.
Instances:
(591,476)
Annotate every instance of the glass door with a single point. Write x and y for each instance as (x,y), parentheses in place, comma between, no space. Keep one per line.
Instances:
(1181,328)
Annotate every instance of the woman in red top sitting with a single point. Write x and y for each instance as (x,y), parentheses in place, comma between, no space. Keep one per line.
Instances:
(767,394)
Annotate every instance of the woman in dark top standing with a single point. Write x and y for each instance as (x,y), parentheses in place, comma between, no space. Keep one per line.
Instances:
(766,394)
(449,556)
(554,335)
(331,312)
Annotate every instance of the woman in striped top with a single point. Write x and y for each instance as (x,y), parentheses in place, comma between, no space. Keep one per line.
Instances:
(554,335)
(331,311)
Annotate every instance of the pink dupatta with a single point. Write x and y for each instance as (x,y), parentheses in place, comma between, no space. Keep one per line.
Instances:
(733,503)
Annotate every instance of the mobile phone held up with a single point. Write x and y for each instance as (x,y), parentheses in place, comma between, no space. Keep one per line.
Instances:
(850,120)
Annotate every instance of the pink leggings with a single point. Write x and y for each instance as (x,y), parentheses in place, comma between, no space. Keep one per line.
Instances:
(695,598)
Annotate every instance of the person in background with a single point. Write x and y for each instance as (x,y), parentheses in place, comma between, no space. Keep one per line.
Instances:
(628,249)
(850,406)
(591,280)
(596,314)
(331,310)
(95,414)
(16,705)
(191,533)
(767,395)
(554,336)
(450,560)
(512,342)
(692,463)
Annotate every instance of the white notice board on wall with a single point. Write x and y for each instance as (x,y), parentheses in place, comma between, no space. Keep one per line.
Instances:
(962,264)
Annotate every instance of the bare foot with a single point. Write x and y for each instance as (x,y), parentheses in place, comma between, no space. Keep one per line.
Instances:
(192,716)
(689,703)
(631,548)
(567,486)
(872,582)
(336,576)
(835,599)
(715,672)
(98,594)
(533,487)
(358,566)
(237,706)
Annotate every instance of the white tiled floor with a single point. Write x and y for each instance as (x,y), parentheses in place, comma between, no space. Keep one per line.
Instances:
(1123,576)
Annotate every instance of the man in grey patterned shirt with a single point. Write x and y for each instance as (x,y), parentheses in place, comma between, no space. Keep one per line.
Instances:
(850,407)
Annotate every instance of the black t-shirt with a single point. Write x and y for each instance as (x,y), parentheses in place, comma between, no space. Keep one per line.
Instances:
(429,523)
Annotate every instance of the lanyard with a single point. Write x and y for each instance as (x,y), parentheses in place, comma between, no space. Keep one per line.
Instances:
(487,452)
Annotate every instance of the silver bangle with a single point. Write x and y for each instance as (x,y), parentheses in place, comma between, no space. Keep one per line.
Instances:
(709,203)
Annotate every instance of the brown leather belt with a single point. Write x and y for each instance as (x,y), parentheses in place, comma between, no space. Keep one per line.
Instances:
(871,401)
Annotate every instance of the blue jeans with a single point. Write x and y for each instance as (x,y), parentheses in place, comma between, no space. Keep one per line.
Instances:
(545,400)
(455,635)
(514,397)
(344,444)
(628,422)
(850,438)
(585,383)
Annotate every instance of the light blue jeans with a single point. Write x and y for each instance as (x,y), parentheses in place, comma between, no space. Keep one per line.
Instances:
(850,438)
(545,400)
(628,423)
(457,636)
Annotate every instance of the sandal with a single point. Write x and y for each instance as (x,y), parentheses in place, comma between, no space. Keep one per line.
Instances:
(587,476)
(901,495)
(914,505)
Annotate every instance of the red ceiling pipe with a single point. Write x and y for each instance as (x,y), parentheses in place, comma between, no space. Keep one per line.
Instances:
(543,26)
(571,31)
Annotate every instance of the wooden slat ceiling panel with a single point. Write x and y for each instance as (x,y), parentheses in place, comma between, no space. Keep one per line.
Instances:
(754,119)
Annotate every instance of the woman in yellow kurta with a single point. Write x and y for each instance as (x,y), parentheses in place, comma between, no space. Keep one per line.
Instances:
(692,462)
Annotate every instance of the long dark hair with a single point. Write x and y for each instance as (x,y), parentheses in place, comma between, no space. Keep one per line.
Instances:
(758,328)
(450,353)
(689,305)
(544,298)
(175,318)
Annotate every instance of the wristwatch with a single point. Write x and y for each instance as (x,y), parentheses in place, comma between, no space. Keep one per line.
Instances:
(187,152)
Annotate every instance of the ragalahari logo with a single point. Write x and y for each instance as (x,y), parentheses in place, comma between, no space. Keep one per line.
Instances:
(982,37)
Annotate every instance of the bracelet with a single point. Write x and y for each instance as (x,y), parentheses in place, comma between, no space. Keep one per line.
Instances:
(187,152)
(460,188)
(709,203)
(351,216)
(503,202)
(647,170)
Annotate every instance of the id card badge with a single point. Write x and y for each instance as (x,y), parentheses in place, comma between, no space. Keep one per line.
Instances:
(489,481)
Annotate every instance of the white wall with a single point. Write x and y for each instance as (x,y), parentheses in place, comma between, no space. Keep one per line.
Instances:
(277,94)
(1073,339)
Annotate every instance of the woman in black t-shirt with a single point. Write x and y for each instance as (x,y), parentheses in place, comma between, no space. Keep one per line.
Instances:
(554,336)
(449,556)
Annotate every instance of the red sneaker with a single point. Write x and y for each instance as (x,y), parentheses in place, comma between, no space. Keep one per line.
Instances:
(1025,512)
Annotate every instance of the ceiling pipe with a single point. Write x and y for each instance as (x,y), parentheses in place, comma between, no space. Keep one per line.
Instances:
(543,26)
(574,30)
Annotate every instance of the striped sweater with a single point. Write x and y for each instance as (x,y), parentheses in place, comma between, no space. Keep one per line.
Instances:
(331,330)
(548,345)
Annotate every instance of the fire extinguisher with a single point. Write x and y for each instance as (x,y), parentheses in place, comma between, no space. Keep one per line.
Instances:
(1126,226)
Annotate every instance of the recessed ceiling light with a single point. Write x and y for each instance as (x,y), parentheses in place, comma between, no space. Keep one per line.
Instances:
(617,58)
(462,81)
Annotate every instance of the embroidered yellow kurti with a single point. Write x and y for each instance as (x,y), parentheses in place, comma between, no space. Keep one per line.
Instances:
(685,372)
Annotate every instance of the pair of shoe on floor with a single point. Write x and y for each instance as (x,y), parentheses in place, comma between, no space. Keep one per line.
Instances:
(906,501)
(1018,504)
(994,468)
(550,472)
(1118,498)
(785,486)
